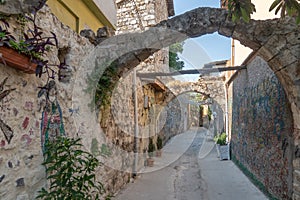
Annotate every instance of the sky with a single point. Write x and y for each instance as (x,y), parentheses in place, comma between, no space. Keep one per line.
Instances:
(204,49)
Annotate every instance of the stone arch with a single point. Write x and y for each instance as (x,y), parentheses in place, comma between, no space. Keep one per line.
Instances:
(211,87)
(277,41)
(215,101)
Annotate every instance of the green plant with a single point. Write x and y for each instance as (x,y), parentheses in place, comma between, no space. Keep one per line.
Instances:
(151,147)
(220,139)
(103,85)
(209,114)
(242,9)
(32,42)
(108,197)
(174,61)
(5,35)
(289,7)
(70,171)
(159,143)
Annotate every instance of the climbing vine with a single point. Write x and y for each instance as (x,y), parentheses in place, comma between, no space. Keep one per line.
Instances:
(102,87)
(209,114)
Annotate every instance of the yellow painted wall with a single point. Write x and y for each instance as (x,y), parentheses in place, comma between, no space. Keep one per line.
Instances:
(78,15)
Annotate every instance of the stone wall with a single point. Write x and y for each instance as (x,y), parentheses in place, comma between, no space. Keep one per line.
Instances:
(21,172)
(194,115)
(140,14)
(217,124)
(174,118)
(20,160)
(118,124)
(262,127)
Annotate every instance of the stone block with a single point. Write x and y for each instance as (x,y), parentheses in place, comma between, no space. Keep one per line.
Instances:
(20,182)
(296,196)
(296,175)
(23,197)
(13,7)
(296,164)
(296,188)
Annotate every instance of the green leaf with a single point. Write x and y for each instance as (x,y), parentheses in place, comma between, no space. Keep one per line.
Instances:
(298,19)
(275,4)
(245,15)
(70,170)
(278,8)
(235,18)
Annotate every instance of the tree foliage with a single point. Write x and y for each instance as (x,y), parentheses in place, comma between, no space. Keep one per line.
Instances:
(174,61)
(242,9)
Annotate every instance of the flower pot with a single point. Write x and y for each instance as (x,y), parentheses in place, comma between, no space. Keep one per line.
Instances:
(218,150)
(16,60)
(150,162)
(158,153)
(224,152)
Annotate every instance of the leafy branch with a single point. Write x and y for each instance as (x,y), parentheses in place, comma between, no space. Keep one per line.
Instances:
(290,7)
(242,9)
(70,171)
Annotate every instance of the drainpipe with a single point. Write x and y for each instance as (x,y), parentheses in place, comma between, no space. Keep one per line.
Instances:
(136,125)
(232,52)
(188,117)
(226,111)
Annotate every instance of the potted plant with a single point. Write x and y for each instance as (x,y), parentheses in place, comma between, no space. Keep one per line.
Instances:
(159,144)
(150,160)
(9,55)
(27,53)
(222,146)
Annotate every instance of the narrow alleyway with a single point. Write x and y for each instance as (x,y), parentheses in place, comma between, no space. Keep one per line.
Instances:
(196,175)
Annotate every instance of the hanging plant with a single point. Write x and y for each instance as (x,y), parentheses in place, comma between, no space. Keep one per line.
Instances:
(28,53)
(32,45)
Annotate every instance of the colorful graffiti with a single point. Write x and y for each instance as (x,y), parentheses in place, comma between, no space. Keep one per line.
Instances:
(261,128)
(6,129)
(52,121)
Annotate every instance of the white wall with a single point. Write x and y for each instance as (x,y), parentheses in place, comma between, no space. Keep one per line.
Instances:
(109,9)
(262,12)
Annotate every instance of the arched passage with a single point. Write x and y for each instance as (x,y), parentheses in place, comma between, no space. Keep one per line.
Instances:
(277,41)
(212,87)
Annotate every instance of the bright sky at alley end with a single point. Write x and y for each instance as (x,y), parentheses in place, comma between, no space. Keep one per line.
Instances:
(216,46)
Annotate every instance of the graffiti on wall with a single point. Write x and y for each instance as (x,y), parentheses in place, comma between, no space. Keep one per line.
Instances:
(6,129)
(52,124)
(261,126)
